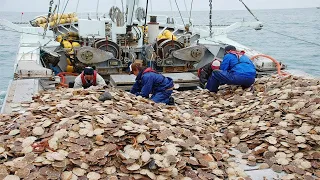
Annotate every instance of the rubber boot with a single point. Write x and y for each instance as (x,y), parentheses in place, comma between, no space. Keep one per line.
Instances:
(105,96)
(171,101)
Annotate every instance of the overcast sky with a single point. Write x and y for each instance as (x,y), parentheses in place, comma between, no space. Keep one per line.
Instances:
(157,5)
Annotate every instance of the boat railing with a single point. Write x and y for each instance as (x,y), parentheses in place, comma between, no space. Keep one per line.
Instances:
(160,18)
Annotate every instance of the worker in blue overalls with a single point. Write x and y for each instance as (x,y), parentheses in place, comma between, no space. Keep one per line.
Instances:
(235,69)
(148,81)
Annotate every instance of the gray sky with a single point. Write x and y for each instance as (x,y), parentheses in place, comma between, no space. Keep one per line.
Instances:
(157,5)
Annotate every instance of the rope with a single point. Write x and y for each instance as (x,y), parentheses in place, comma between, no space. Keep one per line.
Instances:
(190,13)
(58,8)
(180,13)
(97,8)
(77,6)
(210,17)
(122,6)
(294,37)
(249,10)
(63,2)
(171,7)
(134,3)
(15,31)
(185,5)
(63,11)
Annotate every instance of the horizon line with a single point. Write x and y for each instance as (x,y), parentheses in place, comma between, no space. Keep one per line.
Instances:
(193,11)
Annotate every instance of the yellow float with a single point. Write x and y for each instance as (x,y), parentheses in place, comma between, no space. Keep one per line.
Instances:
(167,35)
(75,44)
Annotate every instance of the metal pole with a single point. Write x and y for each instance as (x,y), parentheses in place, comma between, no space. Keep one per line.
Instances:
(145,23)
(97,9)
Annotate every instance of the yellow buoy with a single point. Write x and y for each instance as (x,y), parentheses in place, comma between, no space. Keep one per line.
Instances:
(68,20)
(69,62)
(75,19)
(71,52)
(42,25)
(163,37)
(75,34)
(142,28)
(64,16)
(62,21)
(59,38)
(38,21)
(66,44)
(75,44)
(52,24)
(69,68)
(168,34)
(55,16)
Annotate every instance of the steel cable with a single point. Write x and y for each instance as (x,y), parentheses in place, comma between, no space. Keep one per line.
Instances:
(249,10)
(180,13)
(293,37)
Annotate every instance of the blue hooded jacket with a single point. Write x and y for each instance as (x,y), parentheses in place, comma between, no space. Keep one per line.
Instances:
(242,66)
(149,82)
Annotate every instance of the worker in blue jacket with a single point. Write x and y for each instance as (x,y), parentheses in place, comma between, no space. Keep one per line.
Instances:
(148,81)
(235,69)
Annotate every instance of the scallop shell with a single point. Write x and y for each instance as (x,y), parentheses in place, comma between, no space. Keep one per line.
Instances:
(110,170)
(133,167)
(290,117)
(283,124)
(78,171)
(235,140)
(38,131)
(46,123)
(11,177)
(300,139)
(271,140)
(264,166)
(67,175)
(272,149)
(140,138)
(55,156)
(145,156)
(1,150)
(14,132)
(282,161)
(131,137)
(305,129)
(93,176)
(119,133)
(305,165)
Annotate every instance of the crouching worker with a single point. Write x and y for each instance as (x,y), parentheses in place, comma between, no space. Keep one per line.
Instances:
(205,72)
(148,81)
(89,77)
(236,69)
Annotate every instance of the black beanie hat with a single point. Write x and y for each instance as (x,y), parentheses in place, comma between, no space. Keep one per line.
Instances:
(230,48)
(88,71)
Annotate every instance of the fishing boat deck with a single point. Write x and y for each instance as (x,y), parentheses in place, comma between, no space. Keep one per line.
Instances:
(19,91)
(185,80)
